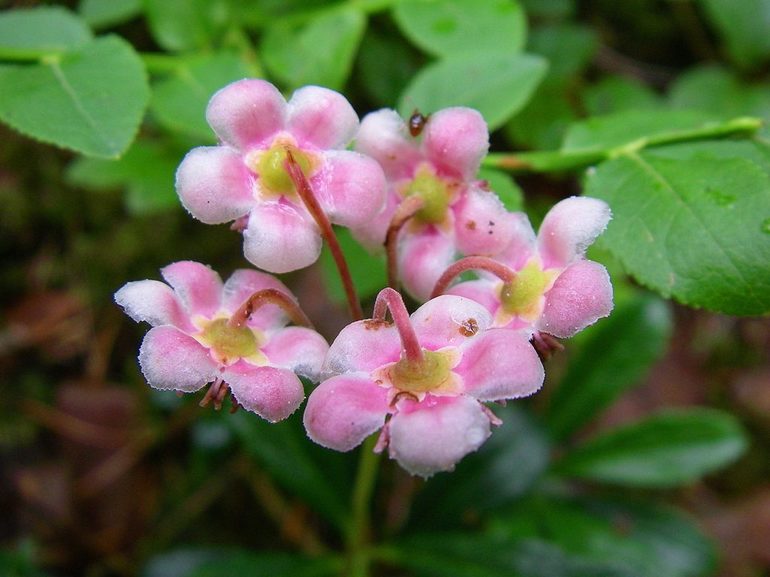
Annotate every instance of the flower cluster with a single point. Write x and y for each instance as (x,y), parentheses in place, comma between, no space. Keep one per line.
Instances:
(282,174)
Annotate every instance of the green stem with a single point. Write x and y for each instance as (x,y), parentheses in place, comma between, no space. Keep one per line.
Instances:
(359,529)
(571,160)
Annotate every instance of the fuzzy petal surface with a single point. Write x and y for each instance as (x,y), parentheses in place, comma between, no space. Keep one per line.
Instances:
(351,188)
(344,410)
(483,291)
(383,135)
(437,433)
(569,228)
(246,113)
(298,349)
(483,226)
(214,184)
(153,302)
(499,365)
(321,117)
(278,238)
(270,392)
(245,282)
(581,295)
(423,257)
(455,140)
(449,320)
(171,359)
(198,287)
(372,234)
(362,346)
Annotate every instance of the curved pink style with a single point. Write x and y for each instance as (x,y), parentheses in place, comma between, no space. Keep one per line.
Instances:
(460,214)
(433,416)
(244,178)
(556,289)
(192,342)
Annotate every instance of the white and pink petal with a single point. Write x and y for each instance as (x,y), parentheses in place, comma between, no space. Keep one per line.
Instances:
(198,287)
(455,140)
(270,392)
(483,226)
(383,135)
(362,346)
(569,228)
(298,349)
(449,320)
(321,118)
(173,360)
(153,302)
(423,257)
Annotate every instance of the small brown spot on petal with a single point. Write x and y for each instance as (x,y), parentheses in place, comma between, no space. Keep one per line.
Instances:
(375,324)
(469,327)
(470,225)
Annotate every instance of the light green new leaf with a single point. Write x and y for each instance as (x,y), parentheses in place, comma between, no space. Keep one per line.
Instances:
(179,25)
(106,13)
(90,101)
(319,52)
(668,449)
(692,221)
(36,32)
(496,84)
(446,27)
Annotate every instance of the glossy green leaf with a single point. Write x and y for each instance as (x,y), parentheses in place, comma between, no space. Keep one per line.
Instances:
(496,84)
(568,48)
(615,354)
(319,52)
(179,25)
(179,101)
(668,449)
(367,269)
(385,65)
(446,27)
(105,13)
(692,221)
(504,186)
(616,94)
(90,101)
(744,28)
(36,32)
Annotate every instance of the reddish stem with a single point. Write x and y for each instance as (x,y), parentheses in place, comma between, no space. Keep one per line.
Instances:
(270,296)
(410,206)
(390,299)
(305,192)
(503,272)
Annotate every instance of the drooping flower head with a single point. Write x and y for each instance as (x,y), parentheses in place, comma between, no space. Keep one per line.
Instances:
(245,179)
(551,286)
(422,380)
(205,332)
(458,213)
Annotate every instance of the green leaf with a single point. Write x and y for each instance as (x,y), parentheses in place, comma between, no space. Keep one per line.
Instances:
(744,28)
(568,48)
(541,124)
(90,101)
(496,84)
(616,93)
(106,13)
(37,32)
(385,65)
(446,27)
(505,187)
(668,449)
(179,25)
(319,52)
(615,354)
(692,221)
(368,270)
(179,102)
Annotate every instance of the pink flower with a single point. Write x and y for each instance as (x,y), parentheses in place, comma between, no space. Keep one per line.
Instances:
(194,342)
(245,178)
(429,374)
(458,214)
(553,287)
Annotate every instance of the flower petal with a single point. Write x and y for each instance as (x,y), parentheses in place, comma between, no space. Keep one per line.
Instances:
(298,349)
(449,320)
(171,359)
(214,185)
(278,238)
(350,188)
(344,410)
(455,140)
(501,364)
(383,136)
(321,117)
(372,234)
(482,224)
(270,392)
(483,291)
(581,295)
(434,435)
(197,286)
(153,302)
(569,228)
(522,244)
(247,113)
(242,284)
(362,346)
(423,257)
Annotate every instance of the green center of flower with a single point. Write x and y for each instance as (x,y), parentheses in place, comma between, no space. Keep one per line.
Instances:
(434,193)
(229,342)
(270,164)
(522,295)
(432,372)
